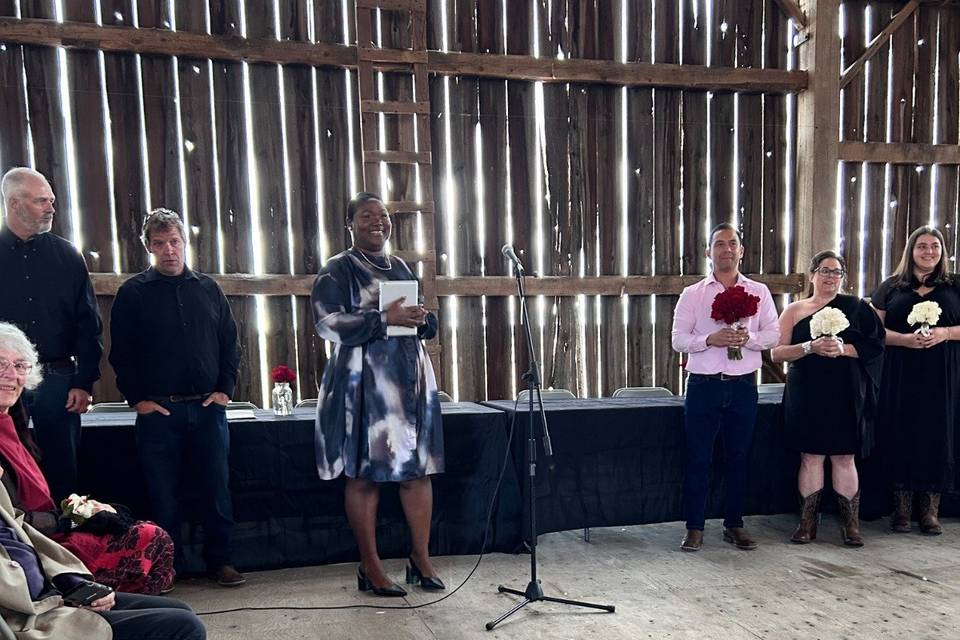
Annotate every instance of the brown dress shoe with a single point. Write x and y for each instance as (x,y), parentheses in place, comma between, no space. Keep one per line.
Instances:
(693,541)
(227,576)
(738,536)
(807,529)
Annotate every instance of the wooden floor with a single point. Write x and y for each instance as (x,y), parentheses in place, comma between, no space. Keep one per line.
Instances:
(897,586)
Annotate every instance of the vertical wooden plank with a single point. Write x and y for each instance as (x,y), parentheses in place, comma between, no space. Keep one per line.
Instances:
(270,206)
(748,180)
(523,141)
(667,162)
(721,116)
(694,126)
(947,193)
(925,39)
(629,359)
(14,137)
(492,115)
(851,129)
(129,181)
(775,135)
(874,175)
(198,147)
(228,109)
(904,46)
(47,118)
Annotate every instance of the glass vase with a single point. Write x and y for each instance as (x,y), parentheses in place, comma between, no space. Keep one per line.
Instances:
(282,399)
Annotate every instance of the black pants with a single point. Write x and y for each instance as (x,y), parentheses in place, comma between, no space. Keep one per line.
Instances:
(56,430)
(196,438)
(139,617)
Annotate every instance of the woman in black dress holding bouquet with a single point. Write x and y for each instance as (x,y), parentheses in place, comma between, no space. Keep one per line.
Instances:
(921,378)
(834,344)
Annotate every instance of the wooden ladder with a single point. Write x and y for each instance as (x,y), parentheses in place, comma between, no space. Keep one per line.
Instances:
(370,59)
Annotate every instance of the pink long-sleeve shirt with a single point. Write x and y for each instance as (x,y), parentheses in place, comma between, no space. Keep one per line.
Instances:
(692,324)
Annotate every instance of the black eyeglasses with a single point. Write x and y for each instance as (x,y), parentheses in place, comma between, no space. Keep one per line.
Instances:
(824,271)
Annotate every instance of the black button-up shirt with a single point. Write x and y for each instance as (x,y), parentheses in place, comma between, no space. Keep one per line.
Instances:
(172,336)
(46,291)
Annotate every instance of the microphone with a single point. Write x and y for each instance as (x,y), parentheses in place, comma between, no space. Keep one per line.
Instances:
(511,255)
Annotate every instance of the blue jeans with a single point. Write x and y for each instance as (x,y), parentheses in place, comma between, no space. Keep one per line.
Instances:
(712,406)
(56,431)
(192,443)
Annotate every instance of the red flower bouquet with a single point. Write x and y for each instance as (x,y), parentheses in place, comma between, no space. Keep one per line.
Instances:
(730,307)
(283,373)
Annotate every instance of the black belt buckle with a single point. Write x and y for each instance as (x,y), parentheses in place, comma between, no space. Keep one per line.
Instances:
(727,377)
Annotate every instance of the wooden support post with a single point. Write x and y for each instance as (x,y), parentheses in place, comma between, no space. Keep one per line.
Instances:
(818,117)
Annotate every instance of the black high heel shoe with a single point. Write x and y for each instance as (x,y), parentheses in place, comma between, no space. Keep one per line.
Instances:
(415,576)
(364,584)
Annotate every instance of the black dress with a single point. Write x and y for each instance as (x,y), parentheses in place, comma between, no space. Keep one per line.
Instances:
(920,391)
(829,403)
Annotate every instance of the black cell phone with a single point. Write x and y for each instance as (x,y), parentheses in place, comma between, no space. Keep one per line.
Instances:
(86,593)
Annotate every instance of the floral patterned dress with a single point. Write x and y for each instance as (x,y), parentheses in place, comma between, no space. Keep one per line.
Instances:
(378,412)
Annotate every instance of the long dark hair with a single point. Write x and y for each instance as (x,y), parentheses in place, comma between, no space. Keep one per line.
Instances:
(903,274)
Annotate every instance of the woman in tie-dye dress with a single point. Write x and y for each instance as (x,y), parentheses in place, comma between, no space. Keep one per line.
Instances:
(378,414)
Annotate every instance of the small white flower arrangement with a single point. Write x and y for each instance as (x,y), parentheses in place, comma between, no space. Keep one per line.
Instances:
(926,314)
(828,322)
(79,509)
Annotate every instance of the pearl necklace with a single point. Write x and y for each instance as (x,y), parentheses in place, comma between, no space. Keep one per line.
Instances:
(371,262)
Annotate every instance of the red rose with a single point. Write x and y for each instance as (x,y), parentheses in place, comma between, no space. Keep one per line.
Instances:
(734,304)
(283,373)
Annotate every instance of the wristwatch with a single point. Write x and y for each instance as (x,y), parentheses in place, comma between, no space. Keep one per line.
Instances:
(807,347)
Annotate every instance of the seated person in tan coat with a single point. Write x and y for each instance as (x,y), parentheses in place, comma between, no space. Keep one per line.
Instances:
(35,572)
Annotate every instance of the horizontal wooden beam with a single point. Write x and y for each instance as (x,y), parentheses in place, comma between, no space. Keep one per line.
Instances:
(106,284)
(597,286)
(881,39)
(111,39)
(631,74)
(234,284)
(900,152)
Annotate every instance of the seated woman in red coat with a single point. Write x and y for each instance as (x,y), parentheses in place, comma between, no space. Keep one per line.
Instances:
(135,557)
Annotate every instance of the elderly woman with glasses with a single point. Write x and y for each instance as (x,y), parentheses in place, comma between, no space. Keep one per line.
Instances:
(128,556)
(921,380)
(831,392)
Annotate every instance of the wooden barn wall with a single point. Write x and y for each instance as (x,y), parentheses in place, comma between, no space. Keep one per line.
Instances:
(582,179)
(908,92)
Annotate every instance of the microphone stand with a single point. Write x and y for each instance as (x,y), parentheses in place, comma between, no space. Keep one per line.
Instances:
(534,592)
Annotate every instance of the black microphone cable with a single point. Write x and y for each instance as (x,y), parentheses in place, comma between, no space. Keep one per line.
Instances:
(483,547)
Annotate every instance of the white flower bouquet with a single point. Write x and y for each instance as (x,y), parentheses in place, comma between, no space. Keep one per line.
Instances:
(926,314)
(828,322)
(79,509)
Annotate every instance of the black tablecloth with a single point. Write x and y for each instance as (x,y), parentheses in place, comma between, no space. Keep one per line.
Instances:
(620,461)
(286,516)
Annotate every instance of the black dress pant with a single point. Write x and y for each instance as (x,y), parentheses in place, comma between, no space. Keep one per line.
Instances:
(140,617)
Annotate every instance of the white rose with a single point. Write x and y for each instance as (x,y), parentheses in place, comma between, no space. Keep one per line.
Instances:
(828,322)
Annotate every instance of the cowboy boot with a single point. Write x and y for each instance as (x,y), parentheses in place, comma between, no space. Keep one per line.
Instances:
(903,508)
(807,529)
(850,520)
(929,507)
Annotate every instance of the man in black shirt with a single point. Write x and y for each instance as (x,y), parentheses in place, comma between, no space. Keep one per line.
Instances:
(175,352)
(48,294)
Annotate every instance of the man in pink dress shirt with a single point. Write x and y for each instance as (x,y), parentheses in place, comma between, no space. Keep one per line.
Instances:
(721,393)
